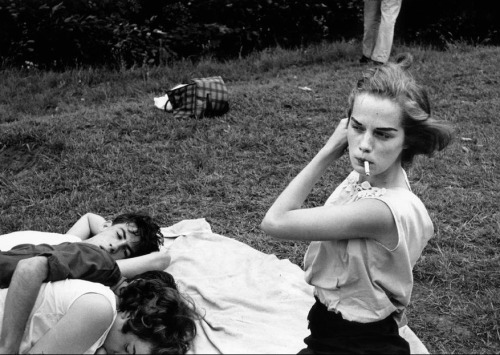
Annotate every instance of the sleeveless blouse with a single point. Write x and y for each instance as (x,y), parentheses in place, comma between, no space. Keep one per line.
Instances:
(360,278)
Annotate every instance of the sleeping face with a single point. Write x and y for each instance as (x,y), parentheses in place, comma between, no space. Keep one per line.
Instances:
(118,342)
(120,240)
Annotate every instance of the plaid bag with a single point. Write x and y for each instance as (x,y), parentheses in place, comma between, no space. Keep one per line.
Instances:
(204,97)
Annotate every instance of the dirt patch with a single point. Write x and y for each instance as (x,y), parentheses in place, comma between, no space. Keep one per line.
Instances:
(15,158)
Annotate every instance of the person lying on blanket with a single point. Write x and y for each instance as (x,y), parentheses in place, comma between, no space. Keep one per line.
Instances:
(147,316)
(99,257)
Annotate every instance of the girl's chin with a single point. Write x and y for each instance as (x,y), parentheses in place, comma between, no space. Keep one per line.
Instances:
(361,170)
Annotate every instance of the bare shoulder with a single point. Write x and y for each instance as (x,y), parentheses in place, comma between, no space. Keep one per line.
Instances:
(101,315)
(98,303)
(86,320)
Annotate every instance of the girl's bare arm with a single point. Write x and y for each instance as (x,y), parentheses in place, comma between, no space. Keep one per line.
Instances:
(78,329)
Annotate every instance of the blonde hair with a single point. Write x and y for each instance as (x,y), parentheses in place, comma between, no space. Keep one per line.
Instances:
(423,133)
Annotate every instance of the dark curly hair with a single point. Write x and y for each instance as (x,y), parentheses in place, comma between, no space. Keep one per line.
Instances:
(147,230)
(423,133)
(159,276)
(158,313)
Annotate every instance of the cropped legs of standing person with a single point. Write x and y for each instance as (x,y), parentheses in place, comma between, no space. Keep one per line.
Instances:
(379,21)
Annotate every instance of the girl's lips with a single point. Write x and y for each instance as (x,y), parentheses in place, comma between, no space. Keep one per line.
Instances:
(362,161)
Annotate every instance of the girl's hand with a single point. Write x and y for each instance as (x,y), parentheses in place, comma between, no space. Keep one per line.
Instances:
(337,143)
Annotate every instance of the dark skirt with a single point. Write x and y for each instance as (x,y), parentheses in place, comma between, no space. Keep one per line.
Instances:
(331,334)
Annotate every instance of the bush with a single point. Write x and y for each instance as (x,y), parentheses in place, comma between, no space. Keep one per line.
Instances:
(53,33)
(58,34)
(240,26)
(68,33)
(446,21)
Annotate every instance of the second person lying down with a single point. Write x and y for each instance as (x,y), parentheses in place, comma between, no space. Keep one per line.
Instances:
(147,316)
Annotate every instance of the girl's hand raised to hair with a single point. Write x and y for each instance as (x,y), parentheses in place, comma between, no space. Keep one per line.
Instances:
(337,143)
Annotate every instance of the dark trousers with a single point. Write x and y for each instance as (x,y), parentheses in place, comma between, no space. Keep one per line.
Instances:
(331,334)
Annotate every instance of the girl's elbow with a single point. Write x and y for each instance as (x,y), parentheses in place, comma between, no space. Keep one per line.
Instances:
(264,225)
(163,260)
(271,226)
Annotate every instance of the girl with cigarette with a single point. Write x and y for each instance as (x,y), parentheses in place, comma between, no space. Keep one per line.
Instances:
(369,234)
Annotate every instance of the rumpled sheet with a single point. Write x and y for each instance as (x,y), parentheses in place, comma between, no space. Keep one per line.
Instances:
(252,302)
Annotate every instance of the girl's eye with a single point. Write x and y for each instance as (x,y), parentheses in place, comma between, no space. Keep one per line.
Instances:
(356,127)
(383,135)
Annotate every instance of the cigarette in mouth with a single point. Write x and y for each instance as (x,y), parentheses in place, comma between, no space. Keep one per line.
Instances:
(367,168)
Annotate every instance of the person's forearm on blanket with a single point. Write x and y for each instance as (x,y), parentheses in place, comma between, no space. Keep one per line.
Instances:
(158,260)
(21,297)
(87,226)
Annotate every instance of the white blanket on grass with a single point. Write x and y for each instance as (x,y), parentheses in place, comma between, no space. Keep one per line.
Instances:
(252,302)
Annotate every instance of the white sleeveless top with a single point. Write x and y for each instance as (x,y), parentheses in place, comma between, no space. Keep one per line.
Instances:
(54,300)
(361,278)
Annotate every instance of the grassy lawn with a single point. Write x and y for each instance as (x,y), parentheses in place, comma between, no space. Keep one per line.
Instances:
(90,140)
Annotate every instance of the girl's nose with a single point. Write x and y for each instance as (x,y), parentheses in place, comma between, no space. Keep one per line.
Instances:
(366,143)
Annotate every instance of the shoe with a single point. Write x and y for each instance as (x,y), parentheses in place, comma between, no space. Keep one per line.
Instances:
(364,60)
